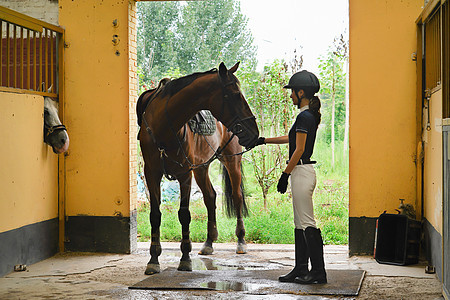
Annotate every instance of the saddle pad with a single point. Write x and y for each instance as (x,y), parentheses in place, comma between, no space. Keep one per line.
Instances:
(203,123)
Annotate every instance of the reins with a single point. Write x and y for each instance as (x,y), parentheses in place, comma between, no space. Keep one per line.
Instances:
(191,165)
(226,144)
(217,153)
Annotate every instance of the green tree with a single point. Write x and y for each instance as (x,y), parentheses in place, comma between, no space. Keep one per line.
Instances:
(333,87)
(210,32)
(194,36)
(275,112)
(156,29)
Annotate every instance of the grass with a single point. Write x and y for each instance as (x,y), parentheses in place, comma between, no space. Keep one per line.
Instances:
(274,225)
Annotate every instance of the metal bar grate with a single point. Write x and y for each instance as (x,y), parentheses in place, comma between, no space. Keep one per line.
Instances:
(433,51)
(28,51)
(446,59)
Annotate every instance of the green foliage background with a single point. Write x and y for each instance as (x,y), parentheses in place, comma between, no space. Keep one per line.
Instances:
(327,62)
(194,36)
(176,39)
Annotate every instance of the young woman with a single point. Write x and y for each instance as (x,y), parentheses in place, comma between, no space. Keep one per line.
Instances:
(301,138)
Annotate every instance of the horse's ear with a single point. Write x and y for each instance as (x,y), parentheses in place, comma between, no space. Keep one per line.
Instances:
(223,70)
(235,67)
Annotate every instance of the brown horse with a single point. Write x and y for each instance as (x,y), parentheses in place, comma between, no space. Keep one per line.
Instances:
(170,148)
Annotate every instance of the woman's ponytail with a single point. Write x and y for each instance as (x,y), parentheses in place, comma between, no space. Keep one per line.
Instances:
(314,107)
(314,103)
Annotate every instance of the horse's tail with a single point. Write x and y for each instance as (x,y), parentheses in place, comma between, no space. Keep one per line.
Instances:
(228,192)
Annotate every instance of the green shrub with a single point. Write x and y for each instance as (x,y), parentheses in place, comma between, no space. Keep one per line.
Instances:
(274,225)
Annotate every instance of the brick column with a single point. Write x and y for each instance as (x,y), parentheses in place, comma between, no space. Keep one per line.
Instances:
(133,96)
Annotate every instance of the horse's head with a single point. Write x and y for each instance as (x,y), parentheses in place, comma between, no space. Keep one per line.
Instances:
(55,133)
(234,111)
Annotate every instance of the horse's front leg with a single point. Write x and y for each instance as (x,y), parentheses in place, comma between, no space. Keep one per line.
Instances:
(153,184)
(184,216)
(209,197)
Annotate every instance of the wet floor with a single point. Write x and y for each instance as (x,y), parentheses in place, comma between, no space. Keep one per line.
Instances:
(144,295)
(233,286)
(108,276)
(213,264)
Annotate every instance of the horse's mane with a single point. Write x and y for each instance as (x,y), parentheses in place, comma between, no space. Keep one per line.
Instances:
(176,85)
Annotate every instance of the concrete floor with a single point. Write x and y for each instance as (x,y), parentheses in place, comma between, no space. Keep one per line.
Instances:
(107,276)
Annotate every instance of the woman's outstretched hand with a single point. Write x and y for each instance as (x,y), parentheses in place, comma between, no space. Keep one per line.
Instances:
(282,183)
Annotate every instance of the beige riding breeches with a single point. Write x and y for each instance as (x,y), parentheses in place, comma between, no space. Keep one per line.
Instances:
(303,182)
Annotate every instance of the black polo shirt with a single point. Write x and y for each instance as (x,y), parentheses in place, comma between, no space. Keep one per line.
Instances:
(306,123)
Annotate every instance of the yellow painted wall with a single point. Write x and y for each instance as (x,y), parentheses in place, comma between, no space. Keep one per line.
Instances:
(382,133)
(97,107)
(28,167)
(432,190)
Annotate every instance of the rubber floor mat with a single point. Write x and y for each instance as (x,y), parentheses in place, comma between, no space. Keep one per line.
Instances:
(340,282)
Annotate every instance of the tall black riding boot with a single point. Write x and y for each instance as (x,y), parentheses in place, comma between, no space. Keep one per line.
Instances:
(301,258)
(315,246)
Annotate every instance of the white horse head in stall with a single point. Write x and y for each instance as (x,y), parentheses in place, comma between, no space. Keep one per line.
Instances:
(55,133)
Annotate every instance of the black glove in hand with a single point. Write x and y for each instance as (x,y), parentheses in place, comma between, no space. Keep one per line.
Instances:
(260,141)
(282,183)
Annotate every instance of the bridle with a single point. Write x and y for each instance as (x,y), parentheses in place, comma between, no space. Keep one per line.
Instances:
(50,130)
(235,127)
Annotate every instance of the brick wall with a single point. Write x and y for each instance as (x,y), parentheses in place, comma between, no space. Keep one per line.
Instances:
(44,10)
(133,95)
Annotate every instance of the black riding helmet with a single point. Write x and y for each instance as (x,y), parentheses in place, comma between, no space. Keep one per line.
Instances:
(303,79)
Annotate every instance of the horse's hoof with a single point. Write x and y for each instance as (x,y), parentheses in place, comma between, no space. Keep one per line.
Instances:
(185,266)
(206,250)
(241,248)
(152,269)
